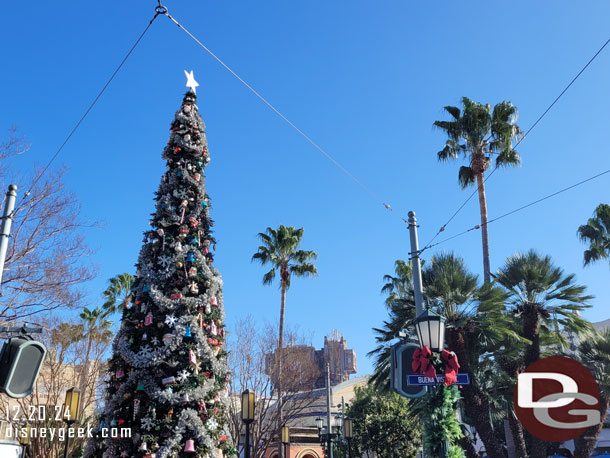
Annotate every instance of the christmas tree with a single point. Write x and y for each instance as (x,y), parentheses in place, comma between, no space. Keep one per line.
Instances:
(167,378)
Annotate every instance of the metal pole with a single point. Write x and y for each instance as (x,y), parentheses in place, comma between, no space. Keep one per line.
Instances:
(67,445)
(416,265)
(247,439)
(328,403)
(7,220)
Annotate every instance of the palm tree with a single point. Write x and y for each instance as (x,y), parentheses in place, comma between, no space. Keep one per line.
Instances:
(477,133)
(542,298)
(96,328)
(597,233)
(401,311)
(118,293)
(594,353)
(280,249)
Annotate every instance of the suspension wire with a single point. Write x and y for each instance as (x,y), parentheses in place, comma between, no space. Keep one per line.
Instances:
(444,226)
(290,123)
(158,10)
(523,207)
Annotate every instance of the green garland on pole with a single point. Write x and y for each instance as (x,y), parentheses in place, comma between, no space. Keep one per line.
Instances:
(441,426)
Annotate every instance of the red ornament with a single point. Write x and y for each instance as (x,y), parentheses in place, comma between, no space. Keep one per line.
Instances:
(177,149)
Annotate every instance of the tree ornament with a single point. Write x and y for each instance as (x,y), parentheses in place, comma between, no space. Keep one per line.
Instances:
(192,271)
(140,386)
(145,289)
(145,352)
(119,373)
(148,320)
(212,424)
(187,331)
(144,336)
(183,206)
(192,357)
(183,376)
(170,320)
(194,288)
(161,232)
(168,380)
(136,408)
(213,329)
(190,257)
(143,447)
(189,446)
(167,339)
(164,261)
(213,301)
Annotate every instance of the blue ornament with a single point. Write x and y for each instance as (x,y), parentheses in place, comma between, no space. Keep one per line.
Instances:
(204,204)
(195,241)
(178,173)
(187,332)
(190,257)
(145,289)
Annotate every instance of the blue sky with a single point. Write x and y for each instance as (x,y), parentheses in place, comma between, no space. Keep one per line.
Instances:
(365,80)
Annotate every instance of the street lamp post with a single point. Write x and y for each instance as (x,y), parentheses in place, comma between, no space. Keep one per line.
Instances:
(285,439)
(247,416)
(71,409)
(348,433)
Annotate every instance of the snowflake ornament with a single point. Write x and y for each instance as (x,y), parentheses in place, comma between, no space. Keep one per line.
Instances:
(182,194)
(212,424)
(183,375)
(170,320)
(147,423)
(154,341)
(164,261)
(145,351)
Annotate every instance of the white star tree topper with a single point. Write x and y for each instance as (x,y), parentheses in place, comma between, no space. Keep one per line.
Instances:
(190,81)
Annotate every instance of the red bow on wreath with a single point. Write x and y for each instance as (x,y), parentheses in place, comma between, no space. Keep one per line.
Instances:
(451,367)
(421,362)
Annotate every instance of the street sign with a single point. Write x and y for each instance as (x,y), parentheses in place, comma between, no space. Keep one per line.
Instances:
(420,380)
(400,370)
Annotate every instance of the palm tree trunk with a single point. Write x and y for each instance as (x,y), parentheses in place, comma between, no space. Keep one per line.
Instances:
(584,444)
(476,403)
(518,438)
(85,371)
(279,366)
(531,331)
(484,228)
(466,444)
